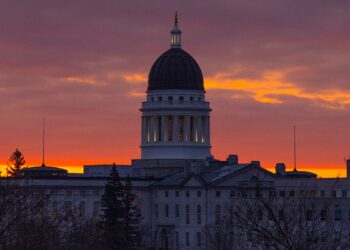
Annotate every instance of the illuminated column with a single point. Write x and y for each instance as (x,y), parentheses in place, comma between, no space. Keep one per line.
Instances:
(175,128)
(151,129)
(144,130)
(199,129)
(164,128)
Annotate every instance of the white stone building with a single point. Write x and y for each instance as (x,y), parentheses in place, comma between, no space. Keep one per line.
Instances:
(181,188)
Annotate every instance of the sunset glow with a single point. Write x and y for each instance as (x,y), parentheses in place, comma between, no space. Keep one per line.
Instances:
(84,67)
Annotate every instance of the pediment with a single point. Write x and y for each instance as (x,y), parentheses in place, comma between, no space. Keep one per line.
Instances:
(193,181)
(246,175)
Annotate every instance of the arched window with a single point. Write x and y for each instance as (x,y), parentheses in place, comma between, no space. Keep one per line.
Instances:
(187,214)
(199,214)
(217,214)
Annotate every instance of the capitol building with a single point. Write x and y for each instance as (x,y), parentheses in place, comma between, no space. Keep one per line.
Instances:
(185,194)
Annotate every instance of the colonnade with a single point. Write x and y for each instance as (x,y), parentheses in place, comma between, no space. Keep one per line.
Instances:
(175,128)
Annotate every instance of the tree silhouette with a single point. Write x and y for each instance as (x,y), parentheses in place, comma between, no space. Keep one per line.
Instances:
(112,216)
(132,218)
(17,161)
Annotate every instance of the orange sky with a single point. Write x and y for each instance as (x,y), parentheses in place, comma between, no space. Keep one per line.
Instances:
(267,67)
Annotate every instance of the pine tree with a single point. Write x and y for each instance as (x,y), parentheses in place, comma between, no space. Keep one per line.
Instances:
(112,213)
(17,159)
(132,218)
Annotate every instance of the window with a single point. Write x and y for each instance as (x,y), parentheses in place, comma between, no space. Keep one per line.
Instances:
(177,239)
(231,214)
(282,193)
(187,239)
(199,214)
(191,98)
(199,193)
(156,210)
(199,239)
(187,193)
(334,193)
(309,214)
(82,209)
(177,193)
(170,99)
(181,99)
(170,128)
(217,214)
(177,210)
(181,128)
(281,214)
(82,193)
(323,214)
(232,193)
(160,98)
(313,193)
(323,193)
(187,214)
(199,99)
(166,207)
(152,99)
(291,193)
(217,193)
(302,193)
(166,194)
(95,209)
(337,236)
(337,214)
(343,194)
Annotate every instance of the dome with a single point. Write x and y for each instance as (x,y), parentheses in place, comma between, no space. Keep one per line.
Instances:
(175,69)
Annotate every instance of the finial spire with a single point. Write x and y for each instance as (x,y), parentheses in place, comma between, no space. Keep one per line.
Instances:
(176,33)
(176,19)
(295,149)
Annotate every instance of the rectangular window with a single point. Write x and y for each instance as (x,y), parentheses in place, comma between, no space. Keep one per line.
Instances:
(337,214)
(343,194)
(282,193)
(170,99)
(177,193)
(337,236)
(199,239)
(166,210)
(166,193)
(232,193)
(177,239)
(181,99)
(177,210)
(217,193)
(187,239)
(199,193)
(156,210)
(159,128)
(323,193)
(309,214)
(187,214)
(82,209)
(291,193)
(187,193)
(323,214)
(281,214)
(199,214)
(334,193)
(160,98)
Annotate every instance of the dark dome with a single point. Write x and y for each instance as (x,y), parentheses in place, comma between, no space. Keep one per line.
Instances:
(175,69)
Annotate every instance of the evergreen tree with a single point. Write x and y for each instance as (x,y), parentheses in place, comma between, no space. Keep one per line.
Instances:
(132,218)
(112,209)
(17,160)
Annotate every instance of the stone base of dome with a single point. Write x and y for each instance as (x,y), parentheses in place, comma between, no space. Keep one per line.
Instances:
(200,152)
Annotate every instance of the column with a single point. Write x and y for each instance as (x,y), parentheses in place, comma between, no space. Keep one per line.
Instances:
(199,128)
(207,130)
(175,128)
(164,128)
(187,128)
(151,129)
(143,130)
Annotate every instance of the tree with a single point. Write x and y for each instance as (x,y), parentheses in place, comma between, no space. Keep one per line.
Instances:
(112,216)
(132,218)
(17,160)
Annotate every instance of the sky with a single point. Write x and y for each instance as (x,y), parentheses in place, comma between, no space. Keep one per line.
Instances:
(268,65)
